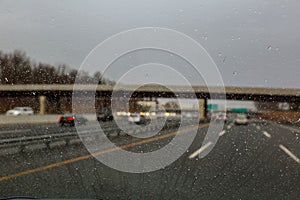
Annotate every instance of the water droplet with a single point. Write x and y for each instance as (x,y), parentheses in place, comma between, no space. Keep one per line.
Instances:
(235,11)
(234,73)
(269,48)
(220,54)
(224,59)
(204,37)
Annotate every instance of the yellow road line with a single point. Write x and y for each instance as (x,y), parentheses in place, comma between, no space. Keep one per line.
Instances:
(53,165)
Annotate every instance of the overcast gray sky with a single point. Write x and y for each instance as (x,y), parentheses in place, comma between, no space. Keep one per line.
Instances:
(253,43)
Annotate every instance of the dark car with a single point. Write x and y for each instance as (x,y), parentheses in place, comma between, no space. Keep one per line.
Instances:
(105,114)
(69,119)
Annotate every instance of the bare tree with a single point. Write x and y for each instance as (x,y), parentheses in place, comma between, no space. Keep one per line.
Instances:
(17,68)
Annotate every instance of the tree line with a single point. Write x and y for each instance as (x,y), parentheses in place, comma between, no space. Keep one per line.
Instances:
(17,68)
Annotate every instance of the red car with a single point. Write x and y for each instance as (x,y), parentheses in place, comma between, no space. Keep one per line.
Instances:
(69,119)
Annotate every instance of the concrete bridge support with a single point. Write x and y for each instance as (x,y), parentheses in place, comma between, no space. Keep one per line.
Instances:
(42,105)
(202,109)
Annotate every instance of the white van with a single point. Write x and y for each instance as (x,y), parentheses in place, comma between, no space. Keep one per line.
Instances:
(20,111)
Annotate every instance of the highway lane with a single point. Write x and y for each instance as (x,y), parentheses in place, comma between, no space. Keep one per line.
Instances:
(17,130)
(20,130)
(258,161)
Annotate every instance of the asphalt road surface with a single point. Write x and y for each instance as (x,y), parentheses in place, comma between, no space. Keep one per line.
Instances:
(21,130)
(256,161)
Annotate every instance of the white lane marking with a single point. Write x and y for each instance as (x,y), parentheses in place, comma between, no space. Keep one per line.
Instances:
(193,155)
(222,133)
(15,131)
(268,135)
(289,153)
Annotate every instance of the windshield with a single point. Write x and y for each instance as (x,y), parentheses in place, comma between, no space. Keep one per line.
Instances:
(149,99)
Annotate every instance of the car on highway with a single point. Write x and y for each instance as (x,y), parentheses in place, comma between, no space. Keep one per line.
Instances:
(20,111)
(241,119)
(137,118)
(221,117)
(70,119)
(105,114)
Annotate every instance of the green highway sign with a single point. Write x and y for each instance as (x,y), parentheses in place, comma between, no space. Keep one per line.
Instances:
(212,106)
(239,110)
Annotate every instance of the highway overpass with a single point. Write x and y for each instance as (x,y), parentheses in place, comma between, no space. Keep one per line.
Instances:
(53,93)
(233,93)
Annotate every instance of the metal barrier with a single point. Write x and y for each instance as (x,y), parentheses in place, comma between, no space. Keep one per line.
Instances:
(31,143)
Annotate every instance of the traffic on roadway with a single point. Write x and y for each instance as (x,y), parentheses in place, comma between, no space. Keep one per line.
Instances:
(150,100)
(238,166)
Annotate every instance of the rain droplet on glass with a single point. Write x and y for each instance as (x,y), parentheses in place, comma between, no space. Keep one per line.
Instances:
(204,37)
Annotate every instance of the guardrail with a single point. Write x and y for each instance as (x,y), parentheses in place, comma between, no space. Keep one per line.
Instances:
(32,143)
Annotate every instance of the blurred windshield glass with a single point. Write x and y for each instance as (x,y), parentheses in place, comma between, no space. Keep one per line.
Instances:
(150,99)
